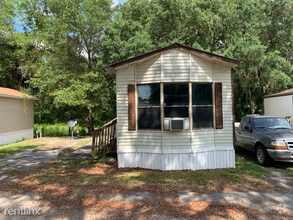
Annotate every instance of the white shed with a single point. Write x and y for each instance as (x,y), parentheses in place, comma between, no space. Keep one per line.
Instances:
(279,104)
(16,116)
(175,110)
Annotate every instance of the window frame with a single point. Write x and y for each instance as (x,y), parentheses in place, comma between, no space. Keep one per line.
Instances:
(148,107)
(190,106)
(176,106)
(211,105)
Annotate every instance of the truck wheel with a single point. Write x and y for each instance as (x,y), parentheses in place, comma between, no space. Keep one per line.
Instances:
(262,156)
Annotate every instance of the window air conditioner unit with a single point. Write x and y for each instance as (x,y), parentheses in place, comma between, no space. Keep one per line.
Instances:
(176,124)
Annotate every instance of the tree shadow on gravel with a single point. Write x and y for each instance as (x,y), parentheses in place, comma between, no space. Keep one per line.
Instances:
(109,201)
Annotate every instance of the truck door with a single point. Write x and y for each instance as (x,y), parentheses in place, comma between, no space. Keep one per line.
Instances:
(245,134)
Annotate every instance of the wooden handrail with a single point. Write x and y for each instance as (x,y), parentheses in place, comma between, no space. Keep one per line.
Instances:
(104,139)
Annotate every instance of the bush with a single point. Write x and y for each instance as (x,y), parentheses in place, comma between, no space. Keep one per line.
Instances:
(58,130)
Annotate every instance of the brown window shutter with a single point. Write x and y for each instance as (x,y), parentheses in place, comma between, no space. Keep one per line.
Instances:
(131,108)
(218,106)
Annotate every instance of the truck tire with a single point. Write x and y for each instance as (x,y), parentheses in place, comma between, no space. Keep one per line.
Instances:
(262,156)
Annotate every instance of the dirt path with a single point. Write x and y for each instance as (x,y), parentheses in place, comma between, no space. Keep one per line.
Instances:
(144,205)
(38,157)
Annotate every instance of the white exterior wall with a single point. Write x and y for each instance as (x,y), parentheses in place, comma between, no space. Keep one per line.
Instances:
(15,136)
(165,150)
(279,106)
(16,120)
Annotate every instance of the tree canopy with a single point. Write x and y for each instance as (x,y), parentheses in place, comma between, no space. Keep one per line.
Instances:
(60,56)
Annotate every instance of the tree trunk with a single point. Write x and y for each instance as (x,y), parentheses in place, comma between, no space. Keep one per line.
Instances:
(90,125)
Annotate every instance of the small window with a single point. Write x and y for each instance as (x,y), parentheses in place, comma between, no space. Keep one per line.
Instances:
(176,94)
(176,100)
(149,111)
(149,95)
(202,94)
(245,122)
(202,105)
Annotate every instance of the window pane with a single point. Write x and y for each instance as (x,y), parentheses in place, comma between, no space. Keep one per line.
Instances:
(176,94)
(203,117)
(148,95)
(171,112)
(149,118)
(202,94)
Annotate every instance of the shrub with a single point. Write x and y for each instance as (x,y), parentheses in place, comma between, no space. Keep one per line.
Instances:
(58,130)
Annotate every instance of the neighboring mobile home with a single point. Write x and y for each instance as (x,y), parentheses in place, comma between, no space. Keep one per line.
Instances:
(175,110)
(279,104)
(16,116)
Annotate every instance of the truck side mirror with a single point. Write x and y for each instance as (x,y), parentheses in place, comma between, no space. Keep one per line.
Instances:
(247,128)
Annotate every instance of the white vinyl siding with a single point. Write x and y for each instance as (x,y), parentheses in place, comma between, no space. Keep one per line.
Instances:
(154,149)
(149,71)
(175,66)
(16,120)
(201,70)
(224,137)
(279,106)
(203,138)
(16,115)
(176,142)
(148,141)
(126,139)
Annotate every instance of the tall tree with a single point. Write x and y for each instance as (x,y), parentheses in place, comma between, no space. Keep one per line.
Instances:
(69,34)
(257,33)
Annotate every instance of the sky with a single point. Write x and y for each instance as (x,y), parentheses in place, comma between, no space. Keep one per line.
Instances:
(18,24)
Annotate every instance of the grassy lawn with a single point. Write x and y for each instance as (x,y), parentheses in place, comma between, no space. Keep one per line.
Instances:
(248,176)
(10,149)
(289,171)
(89,173)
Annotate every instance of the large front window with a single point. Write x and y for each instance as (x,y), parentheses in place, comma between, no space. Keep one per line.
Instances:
(176,103)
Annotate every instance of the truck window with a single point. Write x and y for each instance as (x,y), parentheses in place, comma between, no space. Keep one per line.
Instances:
(245,122)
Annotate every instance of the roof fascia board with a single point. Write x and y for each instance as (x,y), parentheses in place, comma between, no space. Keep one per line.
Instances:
(278,95)
(22,98)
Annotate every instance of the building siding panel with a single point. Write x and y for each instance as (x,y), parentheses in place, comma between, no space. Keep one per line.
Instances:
(16,115)
(175,66)
(279,106)
(164,150)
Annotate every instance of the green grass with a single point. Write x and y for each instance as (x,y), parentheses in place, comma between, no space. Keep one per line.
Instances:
(202,177)
(246,176)
(64,152)
(11,149)
(84,142)
(12,172)
(3,165)
(289,171)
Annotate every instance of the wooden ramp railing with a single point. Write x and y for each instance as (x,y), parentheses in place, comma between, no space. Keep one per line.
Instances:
(104,139)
